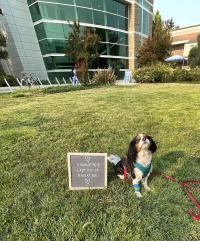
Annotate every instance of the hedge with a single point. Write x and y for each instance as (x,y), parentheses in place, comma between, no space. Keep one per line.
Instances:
(162,73)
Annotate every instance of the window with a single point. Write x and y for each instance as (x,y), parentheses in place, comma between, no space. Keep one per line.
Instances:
(113,49)
(146,22)
(48,46)
(84,15)
(102,50)
(58,12)
(40,31)
(148,6)
(123,38)
(123,50)
(102,34)
(58,62)
(99,17)
(140,1)
(123,10)
(139,19)
(112,21)
(123,23)
(98,4)
(113,36)
(111,6)
(52,30)
(84,3)
(35,12)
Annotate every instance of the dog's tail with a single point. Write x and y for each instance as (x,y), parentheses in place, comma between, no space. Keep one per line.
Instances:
(114,159)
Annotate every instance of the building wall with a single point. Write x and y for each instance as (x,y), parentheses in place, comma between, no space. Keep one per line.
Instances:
(184,39)
(140,27)
(23,49)
(121,26)
(108,18)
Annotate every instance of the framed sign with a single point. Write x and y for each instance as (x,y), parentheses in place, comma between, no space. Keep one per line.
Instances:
(87,170)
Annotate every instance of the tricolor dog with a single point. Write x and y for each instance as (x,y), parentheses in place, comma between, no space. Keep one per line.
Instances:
(137,166)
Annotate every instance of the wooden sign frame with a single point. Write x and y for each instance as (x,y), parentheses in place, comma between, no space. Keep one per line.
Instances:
(86,154)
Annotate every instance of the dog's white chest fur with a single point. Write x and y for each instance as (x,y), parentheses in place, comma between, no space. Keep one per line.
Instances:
(144,157)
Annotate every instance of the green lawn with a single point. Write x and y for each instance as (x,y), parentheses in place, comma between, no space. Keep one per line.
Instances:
(36,134)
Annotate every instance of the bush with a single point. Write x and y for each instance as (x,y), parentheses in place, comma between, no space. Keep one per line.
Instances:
(11,80)
(104,76)
(162,73)
(154,74)
(182,75)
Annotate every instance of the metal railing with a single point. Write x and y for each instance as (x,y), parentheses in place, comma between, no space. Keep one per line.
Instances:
(29,81)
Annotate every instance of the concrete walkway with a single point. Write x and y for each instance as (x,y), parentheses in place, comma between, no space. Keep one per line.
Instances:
(122,82)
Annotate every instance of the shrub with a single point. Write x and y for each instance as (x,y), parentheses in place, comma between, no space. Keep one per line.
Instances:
(156,73)
(11,80)
(104,76)
(181,75)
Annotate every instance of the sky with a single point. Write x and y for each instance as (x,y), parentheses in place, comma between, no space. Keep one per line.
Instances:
(184,12)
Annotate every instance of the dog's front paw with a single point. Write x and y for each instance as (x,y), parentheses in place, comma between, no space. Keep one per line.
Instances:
(138,194)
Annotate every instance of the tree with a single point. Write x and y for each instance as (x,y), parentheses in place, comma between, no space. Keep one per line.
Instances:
(194,55)
(3,44)
(170,24)
(158,46)
(82,47)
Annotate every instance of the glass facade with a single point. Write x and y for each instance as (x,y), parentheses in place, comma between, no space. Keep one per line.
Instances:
(108,18)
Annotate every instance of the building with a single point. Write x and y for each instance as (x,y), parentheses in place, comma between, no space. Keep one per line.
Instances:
(183,39)
(23,48)
(122,25)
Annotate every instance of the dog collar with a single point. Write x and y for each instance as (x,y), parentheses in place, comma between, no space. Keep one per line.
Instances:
(144,170)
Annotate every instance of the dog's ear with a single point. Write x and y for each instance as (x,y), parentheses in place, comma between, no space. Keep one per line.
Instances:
(132,153)
(152,146)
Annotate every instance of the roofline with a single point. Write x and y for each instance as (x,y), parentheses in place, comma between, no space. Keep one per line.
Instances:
(192,26)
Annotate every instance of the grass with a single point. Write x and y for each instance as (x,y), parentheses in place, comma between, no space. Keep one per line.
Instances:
(37,132)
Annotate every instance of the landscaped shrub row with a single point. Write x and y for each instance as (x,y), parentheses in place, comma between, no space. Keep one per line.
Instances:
(162,73)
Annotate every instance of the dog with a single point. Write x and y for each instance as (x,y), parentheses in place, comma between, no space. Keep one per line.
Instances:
(137,165)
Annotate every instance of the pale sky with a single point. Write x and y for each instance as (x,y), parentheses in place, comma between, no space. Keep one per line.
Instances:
(184,12)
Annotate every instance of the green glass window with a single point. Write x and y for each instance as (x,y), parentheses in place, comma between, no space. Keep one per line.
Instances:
(48,46)
(30,1)
(139,19)
(102,34)
(54,1)
(123,10)
(146,22)
(84,3)
(111,6)
(99,17)
(97,4)
(123,50)
(113,36)
(56,11)
(84,15)
(112,20)
(123,38)
(123,23)
(35,12)
(147,6)
(40,31)
(58,62)
(52,30)
(140,1)
(102,50)
(113,49)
